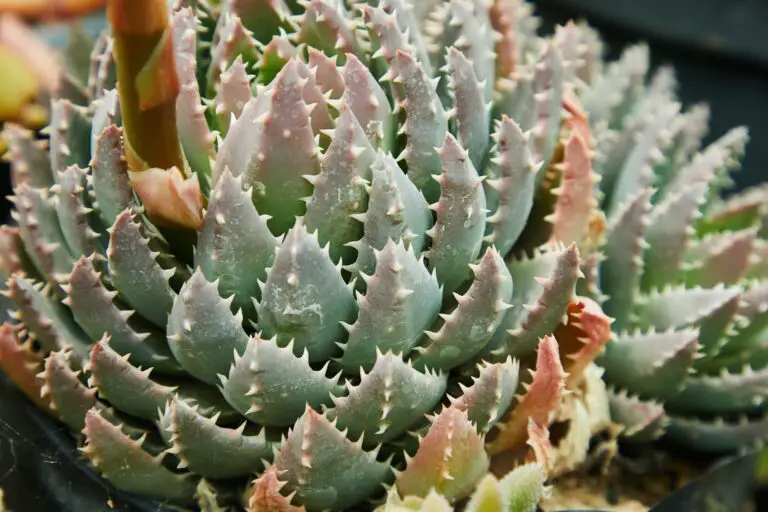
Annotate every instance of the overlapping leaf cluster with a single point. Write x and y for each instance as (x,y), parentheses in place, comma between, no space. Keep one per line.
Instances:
(682,271)
(373,239)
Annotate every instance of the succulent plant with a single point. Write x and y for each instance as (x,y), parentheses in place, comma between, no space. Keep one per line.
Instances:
(302,256)
(682,270)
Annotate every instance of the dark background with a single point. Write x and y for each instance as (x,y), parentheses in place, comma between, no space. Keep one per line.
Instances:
(719,49)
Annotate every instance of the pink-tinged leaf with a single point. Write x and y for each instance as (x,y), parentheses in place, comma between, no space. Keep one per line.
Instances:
(724,261)
(320,116)
(450,459)
(582,338)
(21,364)
(539,403)
(232,93)
(327,74)
(541,450)
(642,420)
(13,258)
(503,21)
(368,102)
(196,137)
(231,39)
(272,145)
(265,494)
(169,199)
(575,204)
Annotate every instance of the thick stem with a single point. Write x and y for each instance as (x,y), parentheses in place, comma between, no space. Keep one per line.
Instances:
(147,82)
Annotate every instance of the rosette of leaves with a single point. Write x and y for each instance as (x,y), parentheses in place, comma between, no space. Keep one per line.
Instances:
(287,258)
(683,268)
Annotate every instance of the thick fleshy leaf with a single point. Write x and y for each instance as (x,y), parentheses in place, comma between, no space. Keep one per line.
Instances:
(425,127)
(539,404)
(69,397)
(27,157)
(128,466)
(312,446)
(208,449)
(368,102)
(72,212)
(269,385)
(643,420)
(131,390)
(582,338)
(13,256)
(110,181)
(576,205)
(233,94)
(622,267)
(389,400)
(491,393)
(70,136)
(461,216)
(668,235)
(401,301)
(520,490)
(509,190)
(324,25)
(651,364)
(339,190)
(396,211)
(544,287)
(41,232)
(46,321)
(467,329)
(472,110)
(305,299)
(256,148)
(718,436)
(678,306)
(727,393)
(266,494)
(196,137)
(134,271)
(235,246)
(450,459)
(629,167)
(94,310)
(203,333)
(21,364)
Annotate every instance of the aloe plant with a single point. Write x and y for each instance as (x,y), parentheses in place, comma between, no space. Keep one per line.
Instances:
(682,270)
(316,255)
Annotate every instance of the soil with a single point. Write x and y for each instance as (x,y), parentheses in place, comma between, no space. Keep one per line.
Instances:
(623,484)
